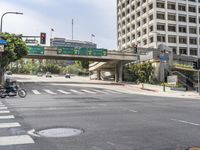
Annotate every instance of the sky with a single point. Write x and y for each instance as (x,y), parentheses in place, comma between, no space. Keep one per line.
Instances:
(97,17)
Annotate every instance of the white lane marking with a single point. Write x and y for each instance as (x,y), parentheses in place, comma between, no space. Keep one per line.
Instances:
(75,91)
(36,92)
(114,92)
(16,140)
(186,122)
(87,91)
(99,91)
(131,110)
(4,112)
(50,92)
(7,117)
(9,125)
(64,92)
(2,108)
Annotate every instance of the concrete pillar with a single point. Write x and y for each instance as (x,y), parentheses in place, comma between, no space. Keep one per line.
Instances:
(116,73)
(98,74)
(120,66)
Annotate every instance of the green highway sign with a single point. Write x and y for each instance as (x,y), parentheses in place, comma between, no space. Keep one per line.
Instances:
(82,51)
(36,50)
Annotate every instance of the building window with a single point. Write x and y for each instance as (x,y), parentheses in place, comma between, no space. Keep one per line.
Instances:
(151,39)
(144,21)
(161,27)
(193,51)
(160,15)
(192,9)
(144,31)
(138,34)
(172,28)
(182,18)
(150,6)
(150,17)
(151,28)
(192,19)
(193,40)
(181,7)
(161,38)
(145,41)
(171,6)
(172,39)
(193,30)
(172,17)
(182,29)
(174,50)
(183,50)
(183,40)
(160,5)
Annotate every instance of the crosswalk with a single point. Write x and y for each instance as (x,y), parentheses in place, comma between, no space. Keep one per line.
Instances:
(73,91)
(5,116)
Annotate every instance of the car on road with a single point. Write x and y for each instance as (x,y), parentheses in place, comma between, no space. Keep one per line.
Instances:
(67,75)
(93,77)
(8,73)
(48,75)
(39,74)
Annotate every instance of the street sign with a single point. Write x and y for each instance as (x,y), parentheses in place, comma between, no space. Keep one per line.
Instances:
(1,48)
(82,51)
(3,42)
(36,50)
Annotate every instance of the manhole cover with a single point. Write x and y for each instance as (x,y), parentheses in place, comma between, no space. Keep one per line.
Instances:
(59,132)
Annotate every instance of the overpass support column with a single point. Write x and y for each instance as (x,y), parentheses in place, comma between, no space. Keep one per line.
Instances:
(119,72)
(98,74)
(116,73)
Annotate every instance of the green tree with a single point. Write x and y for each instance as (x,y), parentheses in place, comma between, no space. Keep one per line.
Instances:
(142,72)
(14,50)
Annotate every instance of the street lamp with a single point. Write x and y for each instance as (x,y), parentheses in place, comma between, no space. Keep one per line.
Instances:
(17,13)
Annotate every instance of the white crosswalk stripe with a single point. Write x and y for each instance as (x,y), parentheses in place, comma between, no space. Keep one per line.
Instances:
(49,91)
(75,91)
(16,140)
(64,92)
(4,111)
(114,92)
(2,108)
(9,125)
(87,91)
(36,92)
(7,117)
(100,91)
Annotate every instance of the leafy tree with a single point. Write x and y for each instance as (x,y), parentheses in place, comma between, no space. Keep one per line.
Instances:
(14,50)
(83,64)
(141,72)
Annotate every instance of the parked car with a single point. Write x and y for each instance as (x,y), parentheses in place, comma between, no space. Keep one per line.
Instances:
(48,75)
(67,75)
(8,73)
(39,74)
(93,77)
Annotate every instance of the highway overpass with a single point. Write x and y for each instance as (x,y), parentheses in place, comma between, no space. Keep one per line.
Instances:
(113,61)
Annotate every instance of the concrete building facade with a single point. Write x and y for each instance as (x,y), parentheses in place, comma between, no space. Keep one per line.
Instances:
(71,43)
(148,23)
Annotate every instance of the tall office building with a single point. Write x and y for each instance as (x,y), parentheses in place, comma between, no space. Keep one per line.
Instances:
(149,23)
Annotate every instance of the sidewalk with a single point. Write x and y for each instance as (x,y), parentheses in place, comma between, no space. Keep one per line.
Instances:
(153,90)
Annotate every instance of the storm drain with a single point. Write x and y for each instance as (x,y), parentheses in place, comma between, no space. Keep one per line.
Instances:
(59,132)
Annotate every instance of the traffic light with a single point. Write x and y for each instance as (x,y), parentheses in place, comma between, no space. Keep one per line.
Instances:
(135,48)
(42,38)
(195,65)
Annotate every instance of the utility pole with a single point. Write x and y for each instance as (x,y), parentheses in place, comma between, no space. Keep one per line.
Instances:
(72,29)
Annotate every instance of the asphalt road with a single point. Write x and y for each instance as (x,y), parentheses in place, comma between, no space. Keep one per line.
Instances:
(110,120)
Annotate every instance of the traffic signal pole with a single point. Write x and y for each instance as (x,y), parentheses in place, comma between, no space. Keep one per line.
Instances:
(198,81)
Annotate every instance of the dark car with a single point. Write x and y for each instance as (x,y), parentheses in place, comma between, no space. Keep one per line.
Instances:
(67,75)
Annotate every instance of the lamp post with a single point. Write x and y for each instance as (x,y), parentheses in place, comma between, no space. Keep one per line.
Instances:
(17,13)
